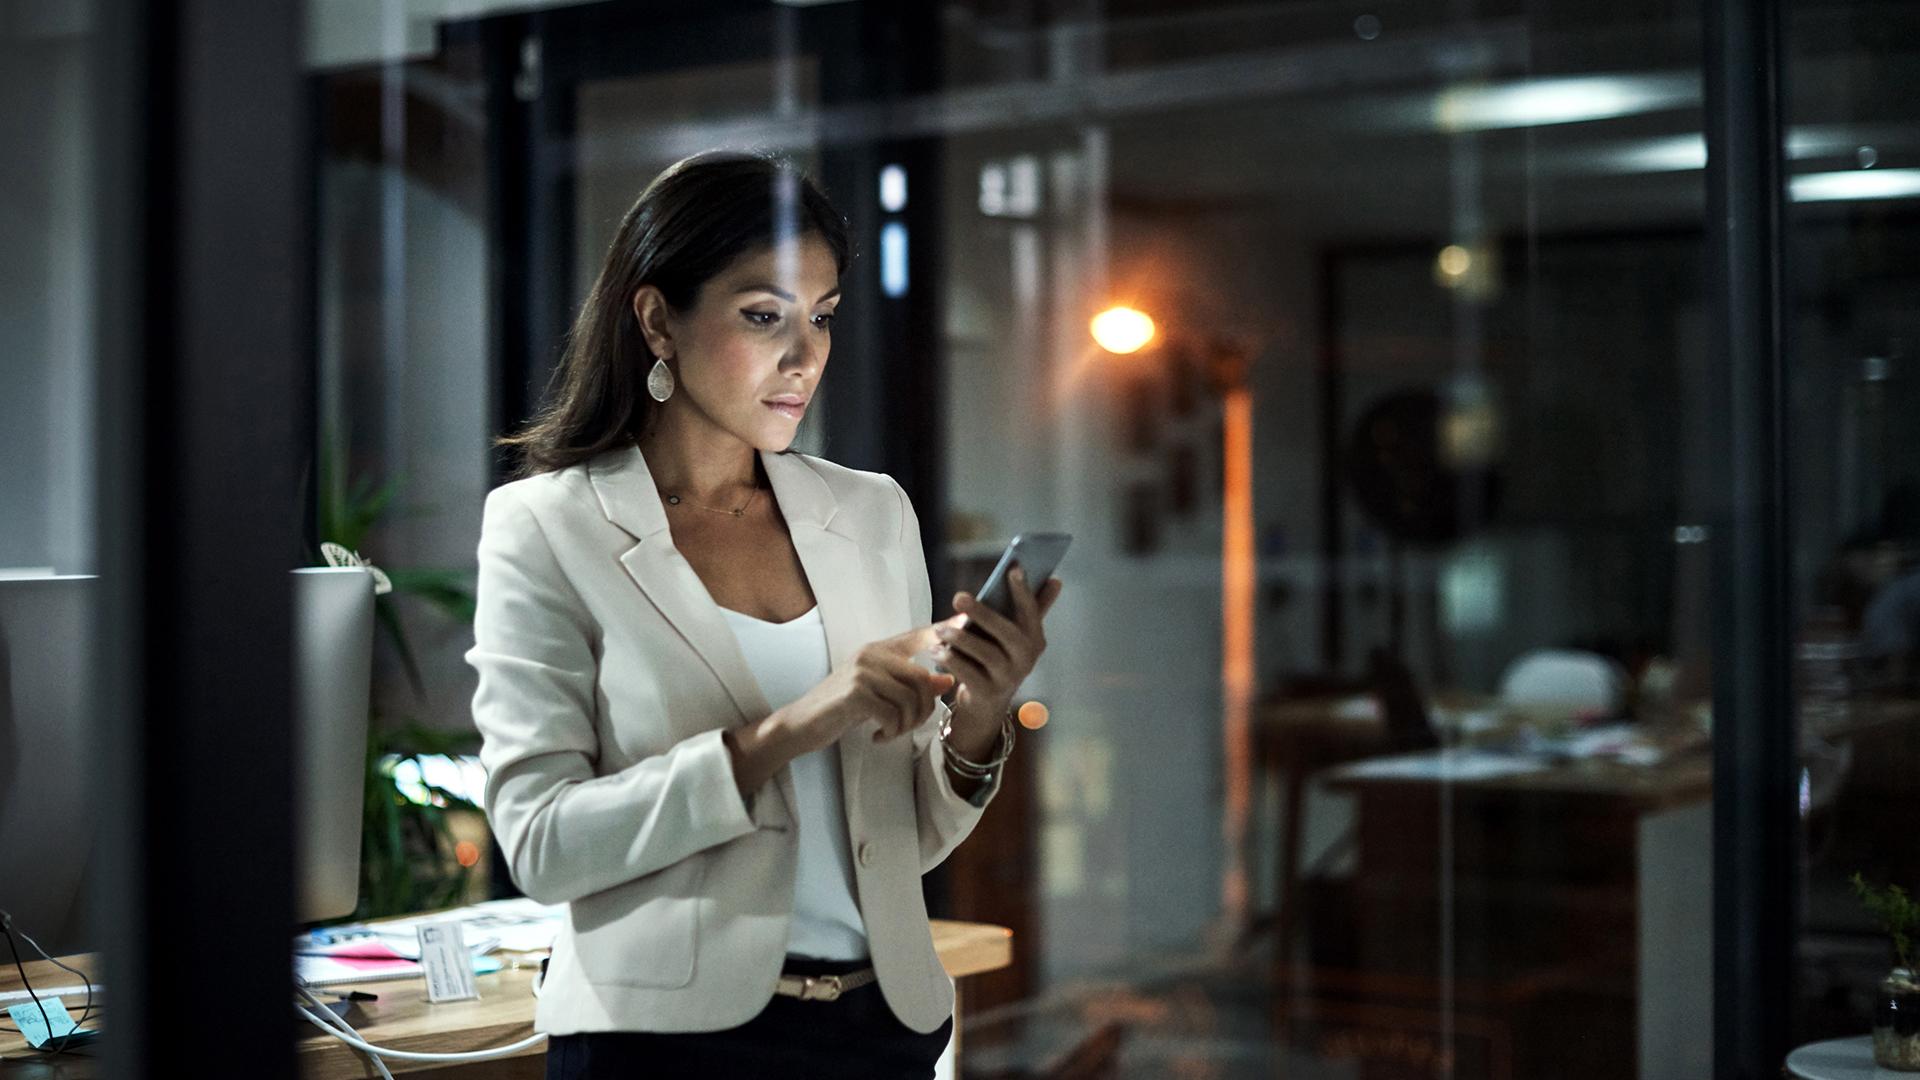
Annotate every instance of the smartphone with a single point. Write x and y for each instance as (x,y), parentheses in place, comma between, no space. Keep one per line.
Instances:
(1038,554)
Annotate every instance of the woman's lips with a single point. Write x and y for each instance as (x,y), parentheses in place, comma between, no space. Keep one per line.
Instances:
(790,411)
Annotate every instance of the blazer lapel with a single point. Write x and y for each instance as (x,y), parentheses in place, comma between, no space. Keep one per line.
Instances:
(842,582)
(630,500)
(833,563)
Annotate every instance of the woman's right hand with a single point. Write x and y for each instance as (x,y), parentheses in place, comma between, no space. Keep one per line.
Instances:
(880,683)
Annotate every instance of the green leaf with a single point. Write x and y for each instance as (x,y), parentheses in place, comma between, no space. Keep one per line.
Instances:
(389,620)
(448,591)
(407,850)
(1897,913)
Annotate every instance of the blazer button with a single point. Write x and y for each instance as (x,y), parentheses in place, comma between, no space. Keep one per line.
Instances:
(866,853)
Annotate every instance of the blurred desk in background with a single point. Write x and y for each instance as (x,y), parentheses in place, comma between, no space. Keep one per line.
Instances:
(1294,739)
(1557,914)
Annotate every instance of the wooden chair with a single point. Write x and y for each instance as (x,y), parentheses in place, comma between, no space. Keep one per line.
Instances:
(1297,754)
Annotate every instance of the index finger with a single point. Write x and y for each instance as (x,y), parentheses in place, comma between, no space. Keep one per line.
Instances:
(916,640)
(925,687)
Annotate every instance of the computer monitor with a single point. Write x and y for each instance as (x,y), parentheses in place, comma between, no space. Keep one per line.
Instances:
(48,790)
(48,731)
(333,680)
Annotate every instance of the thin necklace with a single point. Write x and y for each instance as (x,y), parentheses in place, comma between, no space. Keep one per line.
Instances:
(741,510)
(676,500)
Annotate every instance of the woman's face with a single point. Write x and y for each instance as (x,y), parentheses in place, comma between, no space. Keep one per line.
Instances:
(758,332)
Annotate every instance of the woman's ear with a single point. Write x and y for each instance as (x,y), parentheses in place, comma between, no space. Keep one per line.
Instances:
(650,307)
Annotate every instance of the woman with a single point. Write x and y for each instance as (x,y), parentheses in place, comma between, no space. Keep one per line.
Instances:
(704,729)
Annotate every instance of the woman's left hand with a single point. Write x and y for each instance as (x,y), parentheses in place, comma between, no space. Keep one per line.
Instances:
(991,654)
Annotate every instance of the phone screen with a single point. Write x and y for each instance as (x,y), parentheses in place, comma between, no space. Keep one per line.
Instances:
(1038,554)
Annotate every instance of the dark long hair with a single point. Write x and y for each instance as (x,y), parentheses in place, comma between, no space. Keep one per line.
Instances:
(690,223)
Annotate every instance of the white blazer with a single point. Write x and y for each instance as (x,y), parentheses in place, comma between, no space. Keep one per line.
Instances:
(607,674)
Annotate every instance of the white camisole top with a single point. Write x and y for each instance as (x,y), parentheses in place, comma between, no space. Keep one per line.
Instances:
(788,659)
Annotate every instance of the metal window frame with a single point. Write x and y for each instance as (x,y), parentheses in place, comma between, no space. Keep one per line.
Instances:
(203,271)
(1755,828)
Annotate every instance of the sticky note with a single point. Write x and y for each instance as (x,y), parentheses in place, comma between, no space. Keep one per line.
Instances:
(41,1030)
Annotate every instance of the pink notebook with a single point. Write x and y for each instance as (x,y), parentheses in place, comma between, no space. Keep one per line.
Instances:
(366,961)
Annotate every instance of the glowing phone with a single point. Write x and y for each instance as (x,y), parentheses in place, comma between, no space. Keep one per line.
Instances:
(1038,554)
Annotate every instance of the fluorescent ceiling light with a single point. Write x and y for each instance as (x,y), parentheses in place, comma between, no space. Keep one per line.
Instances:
(1683,153)
(1855,184)
(1539,102)
(1675,153)
(893,189)
(893,259)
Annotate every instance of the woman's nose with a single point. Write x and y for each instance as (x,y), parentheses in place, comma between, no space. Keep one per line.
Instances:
(809,349)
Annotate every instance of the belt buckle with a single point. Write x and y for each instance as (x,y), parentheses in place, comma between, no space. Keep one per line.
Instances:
(820,988)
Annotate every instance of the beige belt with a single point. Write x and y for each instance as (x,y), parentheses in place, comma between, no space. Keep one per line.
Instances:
(822,987)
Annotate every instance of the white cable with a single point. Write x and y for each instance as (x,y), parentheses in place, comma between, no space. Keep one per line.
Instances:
(341,1022)
(410,1055)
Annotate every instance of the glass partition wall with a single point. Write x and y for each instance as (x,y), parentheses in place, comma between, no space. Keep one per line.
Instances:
(1490,642)
(1426,412)
(1383,690)
(1853,393)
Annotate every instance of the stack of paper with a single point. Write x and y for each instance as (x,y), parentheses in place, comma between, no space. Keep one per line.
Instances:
(391,949)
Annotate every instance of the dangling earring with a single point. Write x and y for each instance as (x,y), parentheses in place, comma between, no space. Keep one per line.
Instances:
(660,380)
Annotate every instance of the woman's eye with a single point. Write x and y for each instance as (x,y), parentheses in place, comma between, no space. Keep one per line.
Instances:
(762,318)
(824,322)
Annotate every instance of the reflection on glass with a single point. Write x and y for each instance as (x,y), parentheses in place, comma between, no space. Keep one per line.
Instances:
(1365,353)
(1855,523)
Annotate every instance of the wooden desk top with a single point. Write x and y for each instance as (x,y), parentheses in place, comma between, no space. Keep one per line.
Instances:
(404,1019)
(1685,776)
(1333,731)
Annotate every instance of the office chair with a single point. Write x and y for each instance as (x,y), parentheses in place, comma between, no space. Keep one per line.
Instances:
(1565,680)
(1401,704)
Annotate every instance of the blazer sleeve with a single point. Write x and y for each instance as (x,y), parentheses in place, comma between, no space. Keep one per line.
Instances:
(565,832)
(945,816)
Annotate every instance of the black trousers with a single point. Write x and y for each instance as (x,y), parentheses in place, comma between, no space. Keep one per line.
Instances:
(855,1035)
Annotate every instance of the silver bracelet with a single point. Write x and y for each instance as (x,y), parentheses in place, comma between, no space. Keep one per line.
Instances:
(976,770)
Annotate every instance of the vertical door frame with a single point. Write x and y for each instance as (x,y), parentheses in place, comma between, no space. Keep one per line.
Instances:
(204,280)
(1755,831)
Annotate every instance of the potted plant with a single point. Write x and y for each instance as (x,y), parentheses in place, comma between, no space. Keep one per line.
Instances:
(1896,1013)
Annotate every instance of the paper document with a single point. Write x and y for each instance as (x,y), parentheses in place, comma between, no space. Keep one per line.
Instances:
(514,925)
(329,971)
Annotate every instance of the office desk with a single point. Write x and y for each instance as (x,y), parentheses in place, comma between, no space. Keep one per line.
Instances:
(403,1019)
(1295,739)
(1559,916)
